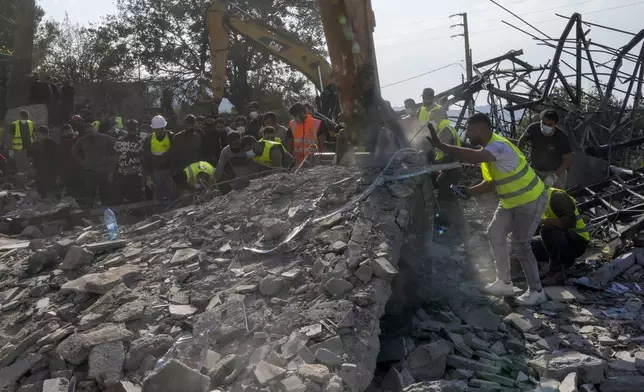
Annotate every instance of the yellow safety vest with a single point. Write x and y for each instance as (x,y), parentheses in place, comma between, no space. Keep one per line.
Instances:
(96,124)
(195,169)
(160,147)
(119,122)
(277,140)
(16,143)
(517,188)
(580,225)
(446,124)
(425,116)
(265,158)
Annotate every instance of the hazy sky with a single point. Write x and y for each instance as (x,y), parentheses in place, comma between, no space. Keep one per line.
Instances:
(413,36)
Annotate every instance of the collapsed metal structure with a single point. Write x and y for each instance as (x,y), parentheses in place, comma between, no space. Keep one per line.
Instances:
(604,121)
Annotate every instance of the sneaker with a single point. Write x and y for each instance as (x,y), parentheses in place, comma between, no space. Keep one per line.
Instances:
(531,298)
(499,289)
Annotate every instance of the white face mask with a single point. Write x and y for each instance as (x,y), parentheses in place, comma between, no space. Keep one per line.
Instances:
(23,121)
(547,130)
(250,154)
(241,129)
(254,115)
(409,111)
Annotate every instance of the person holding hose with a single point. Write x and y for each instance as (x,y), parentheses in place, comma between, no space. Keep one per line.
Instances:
(522,201)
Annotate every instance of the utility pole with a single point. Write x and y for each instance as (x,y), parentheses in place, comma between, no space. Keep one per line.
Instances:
(469,68)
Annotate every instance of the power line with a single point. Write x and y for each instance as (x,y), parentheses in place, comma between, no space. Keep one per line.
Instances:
(421,75)
(506,28)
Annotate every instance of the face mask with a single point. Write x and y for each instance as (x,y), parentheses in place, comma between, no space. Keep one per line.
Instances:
(250,154)
(23,121)
(409,111)
(254,115)
(546,130)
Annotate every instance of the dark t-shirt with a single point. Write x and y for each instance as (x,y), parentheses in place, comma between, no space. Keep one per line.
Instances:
(563,207)
(130,151)
(547,151)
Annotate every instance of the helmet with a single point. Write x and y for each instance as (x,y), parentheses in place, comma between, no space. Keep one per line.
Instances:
(158,122)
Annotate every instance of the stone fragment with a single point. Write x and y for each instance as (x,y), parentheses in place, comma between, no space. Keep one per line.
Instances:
(272,228)
(349,374)
(74,349)
(55,385)
(459,362)
(41,260)
(553,306)
(11,374)
(32,232)
(101,283)
(607,341)
(266,372)
(364,273)
(179,312)
(328,358)
(562,294)
(482,317)
(148,228)
(569,383)
(76,257)
(222,370)
(295,343)
(485,385)
(382,268)
(338,247)
(246,288)
(337,287)
(129,311)
(7,295)
(461,374)
(523,323)
(292,384)
(623,384)
(393,349)
(400,190)
(271,286)
(316,373)
(312,331)
(124,386)
(438,386)
(495,378)
(106,363)
(174,376)
(229,319)
(107,333)
(333,344)
(334,385)
(602,277)
(428,361)
(183,256)
(557,366)
(147,345)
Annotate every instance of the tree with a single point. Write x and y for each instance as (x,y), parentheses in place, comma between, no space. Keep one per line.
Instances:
(171,40)
(84,54)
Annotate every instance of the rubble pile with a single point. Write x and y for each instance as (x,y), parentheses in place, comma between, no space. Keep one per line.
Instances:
(180,303)
(587,337)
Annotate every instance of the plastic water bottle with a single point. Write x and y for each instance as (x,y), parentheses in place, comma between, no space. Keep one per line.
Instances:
(110,223)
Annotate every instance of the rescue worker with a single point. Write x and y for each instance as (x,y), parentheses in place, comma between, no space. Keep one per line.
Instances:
(44,153)
(306,136)
(187,145)
(522,201)
(22,138)
(282,134)
(235,169)
(563,236)
(196,176)
(267,153)
(157,163)
(431,112)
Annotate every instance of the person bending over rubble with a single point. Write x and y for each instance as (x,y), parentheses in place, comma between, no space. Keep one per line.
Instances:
(197,176)
(563,236)
(267,153)
(235,169)
(522,201)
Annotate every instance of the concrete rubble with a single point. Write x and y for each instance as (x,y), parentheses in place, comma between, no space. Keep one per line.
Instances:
(83,314)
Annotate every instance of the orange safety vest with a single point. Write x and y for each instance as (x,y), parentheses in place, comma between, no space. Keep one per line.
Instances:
(305,137)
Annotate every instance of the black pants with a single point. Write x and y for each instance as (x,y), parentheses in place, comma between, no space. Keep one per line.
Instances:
(45,183)
(97,181)
(559,247)
(74,185)
(128,187)
(450,210)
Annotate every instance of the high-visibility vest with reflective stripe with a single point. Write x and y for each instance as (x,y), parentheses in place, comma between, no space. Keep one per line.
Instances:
(517,188)
(16,142)
(425,116)
(442,127)
(96,124)
(580,225)
(305,137)
(277,140)
(119,122)
(159,147)
(195,169)
(265,158)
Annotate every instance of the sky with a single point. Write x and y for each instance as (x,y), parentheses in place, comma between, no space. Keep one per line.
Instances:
(413,36)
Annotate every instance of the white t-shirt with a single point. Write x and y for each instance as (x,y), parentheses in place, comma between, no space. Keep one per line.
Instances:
(506,159)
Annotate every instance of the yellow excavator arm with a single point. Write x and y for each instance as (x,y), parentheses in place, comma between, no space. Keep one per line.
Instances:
(222,22)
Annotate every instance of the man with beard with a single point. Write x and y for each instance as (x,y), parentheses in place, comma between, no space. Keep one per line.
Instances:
(187,145)
(129,171)
(235,167)
(255,121)
(43,152)
(214,139)
(95,152)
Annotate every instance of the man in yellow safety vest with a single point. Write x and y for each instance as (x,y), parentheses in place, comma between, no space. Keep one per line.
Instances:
(157,162)
(22,137)
(270,154)
(563,236)
(431,112)
(522,201)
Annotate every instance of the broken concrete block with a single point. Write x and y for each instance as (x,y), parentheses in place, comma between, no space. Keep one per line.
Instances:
(400,190)
(364,273)
(41,260)
(76,257)
(316,373)
(183,256)
(101,283)
(74,349)
(337,287)
(523,323)
(428,361)
(328,358)
(602,277)
(174,376)
(266,372)
(349,374)
(557,366)
(292,384)
(295,343)
(563,294)
(124,386)
(312,331)
(32,232)
(106,363)
(179,312)
(482,317)
(334,385)
(155,345)
(107,333)
(229,318)
(438,386)
(11,374)
(569,384)
(130,311)
(338,247)
(272,228)
(106,246)
(459,362)
(55,385)
(333,344)
(382,268)
(246,288)
(271,286)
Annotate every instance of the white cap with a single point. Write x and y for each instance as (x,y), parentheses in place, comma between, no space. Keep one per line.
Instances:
(158,122)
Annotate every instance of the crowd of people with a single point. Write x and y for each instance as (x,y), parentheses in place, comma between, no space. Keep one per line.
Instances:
(114,161)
